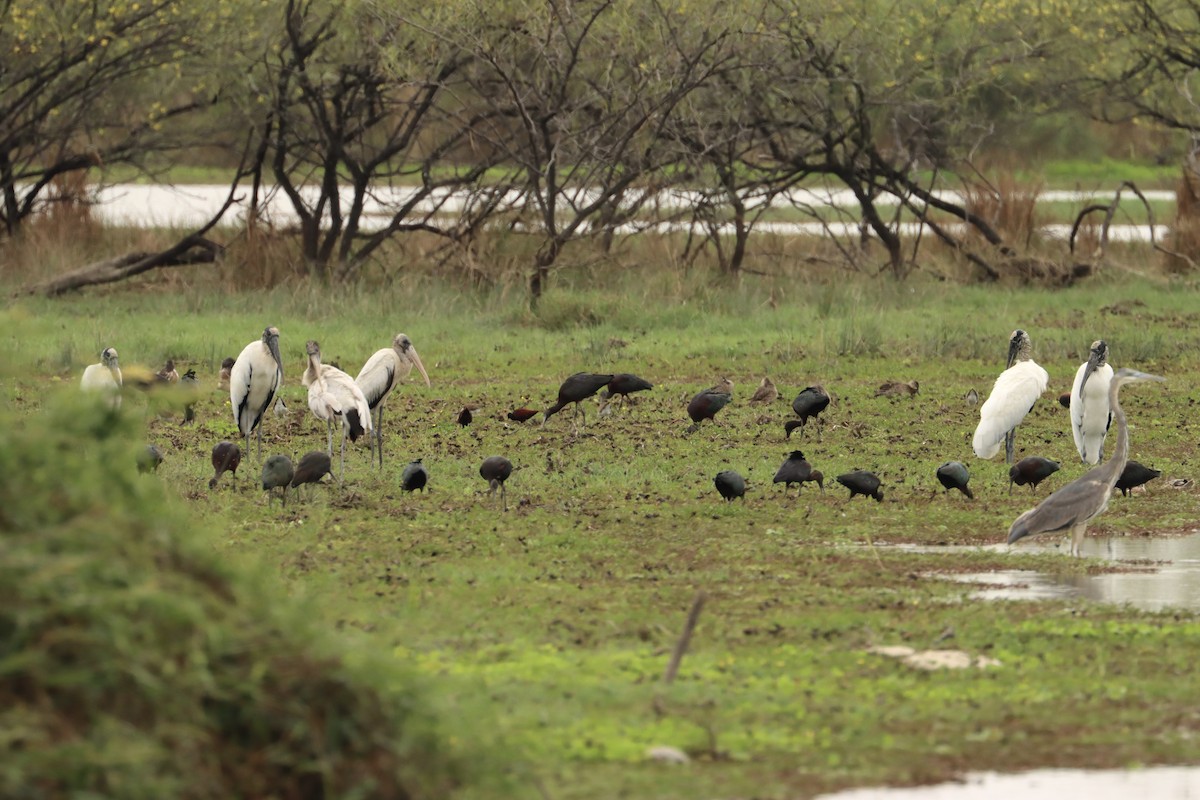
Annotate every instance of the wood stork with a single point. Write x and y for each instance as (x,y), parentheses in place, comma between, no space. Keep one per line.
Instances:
(104,377)
(1090,416)
(381,373)
(1013,395)
(256,375)
(1073,506)
(332,394)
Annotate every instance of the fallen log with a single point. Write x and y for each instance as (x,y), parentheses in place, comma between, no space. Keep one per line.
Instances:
(188,251)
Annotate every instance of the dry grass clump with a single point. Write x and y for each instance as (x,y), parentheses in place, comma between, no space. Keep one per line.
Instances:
(134,663)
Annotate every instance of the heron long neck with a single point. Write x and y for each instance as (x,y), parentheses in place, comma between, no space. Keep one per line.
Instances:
(1116,464)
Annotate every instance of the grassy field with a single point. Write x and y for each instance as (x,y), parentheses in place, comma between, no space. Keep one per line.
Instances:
(549,626)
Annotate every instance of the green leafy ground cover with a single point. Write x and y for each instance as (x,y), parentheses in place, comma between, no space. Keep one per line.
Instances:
(550,625)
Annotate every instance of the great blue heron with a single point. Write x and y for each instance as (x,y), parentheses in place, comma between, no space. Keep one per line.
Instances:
(333,394)
(256,375)
(381,373)
(1090,416)
(1073,506)
(1013,395)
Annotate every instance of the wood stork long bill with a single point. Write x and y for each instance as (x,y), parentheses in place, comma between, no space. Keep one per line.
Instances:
(104,377)
(1073,506)
(1013,395)
(381,373)
(256,375)
(1090,416)
(332,394)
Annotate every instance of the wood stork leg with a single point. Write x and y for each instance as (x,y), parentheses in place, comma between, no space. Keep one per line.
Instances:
(342,477)
(379,434)
(329,436)
(503,497)
(1010,441)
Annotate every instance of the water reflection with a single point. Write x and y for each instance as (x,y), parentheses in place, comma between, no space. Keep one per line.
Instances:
(1161,783)
(1161,572)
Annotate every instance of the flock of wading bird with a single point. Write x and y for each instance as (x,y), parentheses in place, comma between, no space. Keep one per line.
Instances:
(356,406)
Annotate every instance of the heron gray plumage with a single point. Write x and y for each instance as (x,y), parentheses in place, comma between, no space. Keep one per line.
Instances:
(1073,506)
(1012,397)
(255,376)
(1090,416)
(380,375)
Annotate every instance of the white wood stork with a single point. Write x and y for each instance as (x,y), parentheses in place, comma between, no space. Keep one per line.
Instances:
(381,373)
(1013,395)
(332,394)
(256,375)
(1090,414)
(104,377)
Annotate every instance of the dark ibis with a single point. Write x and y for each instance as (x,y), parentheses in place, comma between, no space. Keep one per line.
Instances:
(1073,506)
(731,485)
(1134,475)
(1030,471)
(706,404)
(1064,399)
(495,470)
(576,389)
(464,417)
(313,466)
(149,459)
(791,425)
(625,384)
(811,401)
(521,414)
(862,482)
(794,469)
(226,456)
(414,476)
(1013,395)
(766,393)
(277,473)
(954,475)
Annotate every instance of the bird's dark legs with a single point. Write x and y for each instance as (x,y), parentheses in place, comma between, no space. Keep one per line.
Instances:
(379,434)
(1010,440)
(503,497)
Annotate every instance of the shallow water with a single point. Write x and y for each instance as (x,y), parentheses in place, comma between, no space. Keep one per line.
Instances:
(1164,572)
(1160,783)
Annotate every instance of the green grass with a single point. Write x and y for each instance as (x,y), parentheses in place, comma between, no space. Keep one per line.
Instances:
(553,622)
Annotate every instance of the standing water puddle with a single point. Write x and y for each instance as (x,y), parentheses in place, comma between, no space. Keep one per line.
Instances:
(1161,783)
(1165,573)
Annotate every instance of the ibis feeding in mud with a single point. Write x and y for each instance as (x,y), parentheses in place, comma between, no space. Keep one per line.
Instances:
(730,485)
(576,389)
(706,404)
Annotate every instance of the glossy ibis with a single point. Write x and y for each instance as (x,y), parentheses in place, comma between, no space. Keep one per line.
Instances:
(464,417)
(795,469)
(1134,475)
(576,389)
(861,482)
(954,475)
(1031,471)
(706,404)
(809,403)
(1090,416)
(277,472)
(1064,399)
(332,394)
(495,470)
(791,425)
(380,375)
(731,485)
(521,414)
(625,384)
(1013,395)
(104,377)
(313,466)
(226,456)
(1073,506)
(766,393)
(253,380)
(414,477)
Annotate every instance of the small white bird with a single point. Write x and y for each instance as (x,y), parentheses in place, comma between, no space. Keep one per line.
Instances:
(1090,414)
(1012,397)
(104,377)
(381,373)
(253,380)
(333,394)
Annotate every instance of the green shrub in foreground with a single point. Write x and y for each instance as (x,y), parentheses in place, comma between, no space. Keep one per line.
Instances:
(133,663)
